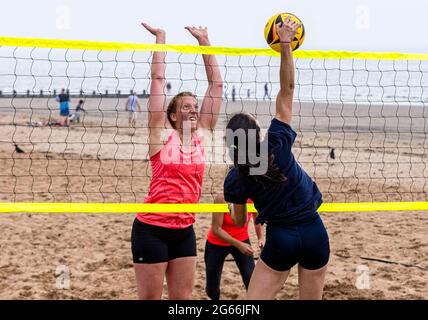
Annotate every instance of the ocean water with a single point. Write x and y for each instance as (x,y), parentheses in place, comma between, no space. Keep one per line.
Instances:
(362,81)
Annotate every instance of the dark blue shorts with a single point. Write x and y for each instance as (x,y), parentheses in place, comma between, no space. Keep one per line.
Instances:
(153,244)
(306,244)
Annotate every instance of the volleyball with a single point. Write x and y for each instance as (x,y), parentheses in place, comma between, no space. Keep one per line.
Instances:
(272,37)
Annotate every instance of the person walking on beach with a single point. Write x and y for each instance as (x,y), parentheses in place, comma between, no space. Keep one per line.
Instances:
(64,107)
(131,106)
(224,238)
(266,92)
(286,198)
(233,94)
(164,245)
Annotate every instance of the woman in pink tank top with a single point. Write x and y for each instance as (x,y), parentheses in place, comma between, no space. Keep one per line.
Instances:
(164,244)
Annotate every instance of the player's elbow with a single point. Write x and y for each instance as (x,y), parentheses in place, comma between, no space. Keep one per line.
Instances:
(289,88)
(287,91)
(219,198)
(216,230)
(216,89)
(218,85)
(157,76)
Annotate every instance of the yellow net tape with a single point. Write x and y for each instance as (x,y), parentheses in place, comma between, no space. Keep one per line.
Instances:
(196,208)
(119,46)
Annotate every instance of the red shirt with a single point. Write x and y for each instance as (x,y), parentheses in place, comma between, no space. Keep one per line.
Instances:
(229,226)
(176,178)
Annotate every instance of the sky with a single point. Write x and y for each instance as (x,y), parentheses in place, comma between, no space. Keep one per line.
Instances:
(352,25)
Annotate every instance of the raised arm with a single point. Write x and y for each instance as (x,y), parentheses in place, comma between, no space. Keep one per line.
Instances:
(211,104)
(156,105)
(284,100)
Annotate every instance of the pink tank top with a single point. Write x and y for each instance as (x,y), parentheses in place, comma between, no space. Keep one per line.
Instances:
(176,178)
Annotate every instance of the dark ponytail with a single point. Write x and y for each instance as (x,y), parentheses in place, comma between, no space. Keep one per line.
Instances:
(246,122)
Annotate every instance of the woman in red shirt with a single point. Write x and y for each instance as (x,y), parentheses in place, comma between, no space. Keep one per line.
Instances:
(225,238)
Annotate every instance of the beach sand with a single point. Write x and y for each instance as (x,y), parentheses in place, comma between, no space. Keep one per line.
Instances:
(380,156)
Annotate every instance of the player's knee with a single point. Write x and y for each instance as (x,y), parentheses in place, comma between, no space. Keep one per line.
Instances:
(144,294)
(219,198)
(182,294)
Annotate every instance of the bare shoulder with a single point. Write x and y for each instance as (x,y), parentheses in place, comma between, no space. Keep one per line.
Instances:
(205,136)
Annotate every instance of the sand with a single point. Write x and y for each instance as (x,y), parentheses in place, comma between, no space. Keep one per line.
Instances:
(380,156)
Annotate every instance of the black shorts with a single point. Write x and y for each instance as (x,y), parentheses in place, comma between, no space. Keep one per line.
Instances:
(306,244)
(153,244)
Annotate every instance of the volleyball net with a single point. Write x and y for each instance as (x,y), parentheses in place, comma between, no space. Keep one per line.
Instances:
(361,120)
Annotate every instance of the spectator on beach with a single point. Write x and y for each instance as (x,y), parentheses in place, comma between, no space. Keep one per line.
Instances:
(266,92)
(75,117)
(64,107)
(168,87)
(131,106)
(233,94)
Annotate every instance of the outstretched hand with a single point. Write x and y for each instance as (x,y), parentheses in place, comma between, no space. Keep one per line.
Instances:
(154,31)
(287,30)
(201,34)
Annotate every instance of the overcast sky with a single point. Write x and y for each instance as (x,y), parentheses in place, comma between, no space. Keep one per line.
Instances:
(357,25)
